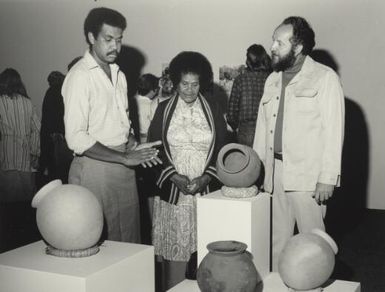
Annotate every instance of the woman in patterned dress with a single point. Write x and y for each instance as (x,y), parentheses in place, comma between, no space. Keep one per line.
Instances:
(193,130)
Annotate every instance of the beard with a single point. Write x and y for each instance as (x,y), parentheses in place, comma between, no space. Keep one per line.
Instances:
(285,62)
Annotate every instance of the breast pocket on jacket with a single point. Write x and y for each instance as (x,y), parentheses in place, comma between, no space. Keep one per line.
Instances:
(268,107)
(305,100)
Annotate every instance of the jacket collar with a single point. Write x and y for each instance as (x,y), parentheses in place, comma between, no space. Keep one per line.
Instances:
(305,72)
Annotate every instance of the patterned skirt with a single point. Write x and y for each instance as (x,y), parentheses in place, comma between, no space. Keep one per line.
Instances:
(174,232)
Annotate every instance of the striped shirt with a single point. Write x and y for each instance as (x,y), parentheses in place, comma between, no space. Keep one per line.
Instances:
(19,128)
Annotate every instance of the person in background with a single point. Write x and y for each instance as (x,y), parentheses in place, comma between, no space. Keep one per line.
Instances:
(73,62)
(98,129)
(19,154)
(52,162)
(299,133)
(193,130)
(147,91)
(56,157)
(246,94)
(165,91)
(20,142)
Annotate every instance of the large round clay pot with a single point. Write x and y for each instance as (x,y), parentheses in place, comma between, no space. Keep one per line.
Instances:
(69,217)
(307,260)
(238,165)
(227,267)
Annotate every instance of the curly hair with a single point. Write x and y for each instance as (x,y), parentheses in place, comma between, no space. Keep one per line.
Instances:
(302,33)
(191,62)
(11,84)
(99,16)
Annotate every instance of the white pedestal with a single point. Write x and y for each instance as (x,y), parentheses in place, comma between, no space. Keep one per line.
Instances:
(273,283)
(118,267)
(246,220)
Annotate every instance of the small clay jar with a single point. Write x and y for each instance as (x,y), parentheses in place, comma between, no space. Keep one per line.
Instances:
(227,267)
(238,165)
(69,217)
(307,260)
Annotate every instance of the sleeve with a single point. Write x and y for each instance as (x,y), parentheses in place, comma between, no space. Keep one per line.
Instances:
(233,109)
(161,174)
(45,141)
(35,134)
(76,93)
(332,105)
(259,144)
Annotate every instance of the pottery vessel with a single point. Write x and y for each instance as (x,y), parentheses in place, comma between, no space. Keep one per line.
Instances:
(69,217)
(238,165)
(307,260)
(227,267)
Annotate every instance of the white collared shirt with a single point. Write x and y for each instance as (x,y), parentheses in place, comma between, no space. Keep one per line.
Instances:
(95,107)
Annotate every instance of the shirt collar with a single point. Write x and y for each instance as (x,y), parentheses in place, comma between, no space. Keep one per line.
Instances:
(91,62)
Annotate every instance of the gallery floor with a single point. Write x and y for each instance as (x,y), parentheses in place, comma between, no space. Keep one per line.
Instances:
(361,256)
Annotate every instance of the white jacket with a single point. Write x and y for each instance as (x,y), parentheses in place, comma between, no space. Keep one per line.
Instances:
(313,128)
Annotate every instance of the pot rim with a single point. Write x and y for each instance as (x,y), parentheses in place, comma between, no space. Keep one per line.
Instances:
(227,247)
(327,238)
(233,146)
(39,196)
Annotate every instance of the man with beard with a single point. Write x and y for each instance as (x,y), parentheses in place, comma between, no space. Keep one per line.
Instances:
(98,129)
(299,133)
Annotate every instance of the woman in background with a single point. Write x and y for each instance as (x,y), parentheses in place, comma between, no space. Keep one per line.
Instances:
(19,150)
(193,130)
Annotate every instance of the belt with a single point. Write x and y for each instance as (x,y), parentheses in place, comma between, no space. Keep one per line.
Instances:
(278,156)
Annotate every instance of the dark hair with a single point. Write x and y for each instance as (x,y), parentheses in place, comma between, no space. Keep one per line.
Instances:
(11,84)
(262,60)
(73,62)
(99,16)
(146,83)
(191,62)
(302,33)
(55,78)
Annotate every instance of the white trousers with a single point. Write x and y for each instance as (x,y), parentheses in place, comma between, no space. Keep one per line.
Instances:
(290,208)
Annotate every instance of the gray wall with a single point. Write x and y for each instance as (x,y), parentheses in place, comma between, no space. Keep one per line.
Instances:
(40,36)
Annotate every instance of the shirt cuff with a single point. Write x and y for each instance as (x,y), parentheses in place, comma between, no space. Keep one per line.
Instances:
(329,178)
(80,149)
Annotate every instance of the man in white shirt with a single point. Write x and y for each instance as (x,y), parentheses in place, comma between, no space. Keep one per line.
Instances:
(98,129)
(299,133)
(147,90)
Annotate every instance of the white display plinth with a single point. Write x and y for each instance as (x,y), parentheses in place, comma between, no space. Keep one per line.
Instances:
(246,220)
(117,267)
(273,283)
